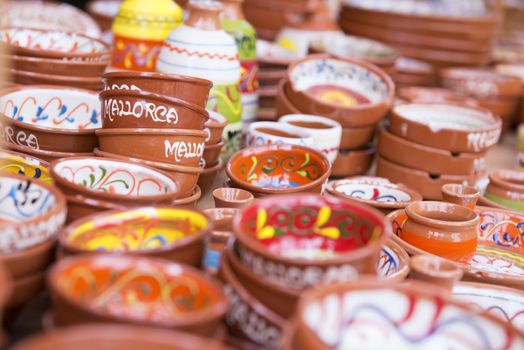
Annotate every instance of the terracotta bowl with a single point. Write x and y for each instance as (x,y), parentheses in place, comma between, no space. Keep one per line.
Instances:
(393,262)
(128,108)
(431,269)
(352,162)
(58,66)
(29,261)
(305,233)
(506,187)
(226,197)
(212,153)
(32,212)
(356,138)
(208,176)
(60,119)
(189,89)
(278,169)
(322,85)
(21,77)
(53,44)
(413,309)
(214,127)
(163,294)
(116,337)
(450,127)
(24,164)
(171,233)
(26,289)
(435,95)
(185,176)
(273,133)
(116,181)
(384,197)
(170,146)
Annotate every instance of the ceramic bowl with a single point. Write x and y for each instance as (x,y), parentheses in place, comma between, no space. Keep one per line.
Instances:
(304,233)
(326,133)
(185,176)
(116,337)
(352,162)
(450,127)
(278,169)
(393,262)
(272,133)
(352,92)
(384,197)
(212,153)
(226,197)
(434,95)
(171,233)
(53,44)
(431,269)
(21,77)
(32,212)
(61,119)
(464,195)
(117,181)
(480,82)
(170,146)
(208,176)
(506,187)
(188,89)
(59,67)
(405,314)
(24,164)
(214,127)
(135,290)
(140,109)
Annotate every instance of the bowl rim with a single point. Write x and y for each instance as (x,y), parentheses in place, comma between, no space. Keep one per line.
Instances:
(302,134)
(41,152)
(25,157)
(416,212)
(150,132)
(63,79)
(498,178)
(220,190)
(333,125)
(155,76)
(35,59)
(447,189)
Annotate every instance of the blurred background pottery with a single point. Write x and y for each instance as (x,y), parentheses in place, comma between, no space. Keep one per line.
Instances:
(24,164)
(103,12)
(466,196)
(226,197)
(272,133)
(208,176)
(506,187)
(430,269)
(352,162)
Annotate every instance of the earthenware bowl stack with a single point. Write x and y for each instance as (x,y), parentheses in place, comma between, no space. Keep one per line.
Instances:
(428,145)
(212,151)
(159,120)
(49,122)
(54,57)
(448,34)
(412,72)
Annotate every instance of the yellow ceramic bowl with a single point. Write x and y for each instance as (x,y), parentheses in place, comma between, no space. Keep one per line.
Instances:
(23,164)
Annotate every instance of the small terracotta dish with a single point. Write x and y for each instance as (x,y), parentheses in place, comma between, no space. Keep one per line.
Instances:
(464,195)
(273,133)
(24,164)
(431,269)
(226,197)
(506,187)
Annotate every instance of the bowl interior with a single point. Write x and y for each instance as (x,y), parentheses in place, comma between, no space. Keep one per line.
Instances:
(310,227)
(383,193)
(388,263)
(277,167)
(139,289)
(53,108)
(115,177)
(24,165)
(136,229)
(338,82)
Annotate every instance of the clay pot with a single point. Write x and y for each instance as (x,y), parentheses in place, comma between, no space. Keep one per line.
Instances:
(349,163)
(226,197)
(25,289)
(269,133)
(24,164)
(393,262)
(444,229)
(431,269)
(212,153)
(292,169)
(170,233)
(171,146)
(506,187)
(467,196)
(316,92)
(450,127)
(300,241)
(432,160)
(21,77)
(29,261)
(141,109)
(435,95)
(58,67)
(47,156)
(189,89)
(214,126)
(61,119)
(208,176)
(197,302)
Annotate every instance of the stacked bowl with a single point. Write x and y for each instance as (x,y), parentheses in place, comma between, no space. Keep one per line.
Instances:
(428,145)
(356,94)
(212,150)
(54,57)
(412,72)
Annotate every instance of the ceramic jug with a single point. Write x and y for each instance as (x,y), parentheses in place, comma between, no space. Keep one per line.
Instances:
(139,32)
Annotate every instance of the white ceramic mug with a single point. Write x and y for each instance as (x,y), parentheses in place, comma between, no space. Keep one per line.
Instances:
(269,133)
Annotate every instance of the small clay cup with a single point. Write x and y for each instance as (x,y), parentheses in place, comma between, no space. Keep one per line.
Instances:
(464,195)
(212,153)
(432,269)
(208,176)
(506,187)
(443,229)
(58,66)
(214,127)
(227,197)
(24,164)
(393,262)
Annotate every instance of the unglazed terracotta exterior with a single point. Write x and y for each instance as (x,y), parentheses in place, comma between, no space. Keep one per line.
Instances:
(50,118)
(467,196)
(352,162)
(57,66)
(208,176)
(226,197)
(430,269)
(272,133)
(214,127)
(506,187)
(212,154)
(47,156)
(19,77)
(393,262)
(26,289)
(139,32)
(24,164)
(5,293)
(29,261)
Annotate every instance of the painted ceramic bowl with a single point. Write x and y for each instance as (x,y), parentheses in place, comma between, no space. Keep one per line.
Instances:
(326,132)
(24,164)
(170,146)
(117,181)
(32,212)
(384,197)
(214,127)
(406,315)
(53,44)
(137,290)
(506,187)
(451,127)
(20,77)
(272,133)
(58,67)
(211,154)
(304,233)
(5,292)
(464,195)
(116,337)
(61,119)
(352,92)
(170,233)
(353,162)
(226,197)
(140,109)
(278,169)
(189,89)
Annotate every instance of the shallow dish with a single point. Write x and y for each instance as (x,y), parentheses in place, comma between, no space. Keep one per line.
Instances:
(480,82)
(24,164)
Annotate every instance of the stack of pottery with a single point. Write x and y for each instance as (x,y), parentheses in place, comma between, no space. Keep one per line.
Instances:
(505,190)
(412,72)
(448,33)
(428,145)
(356,94)
(49,122)
(501,94)
(159,120)
(54,57)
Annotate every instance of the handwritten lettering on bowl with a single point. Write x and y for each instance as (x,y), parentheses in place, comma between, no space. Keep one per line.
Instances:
(114,108)
(20,137)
